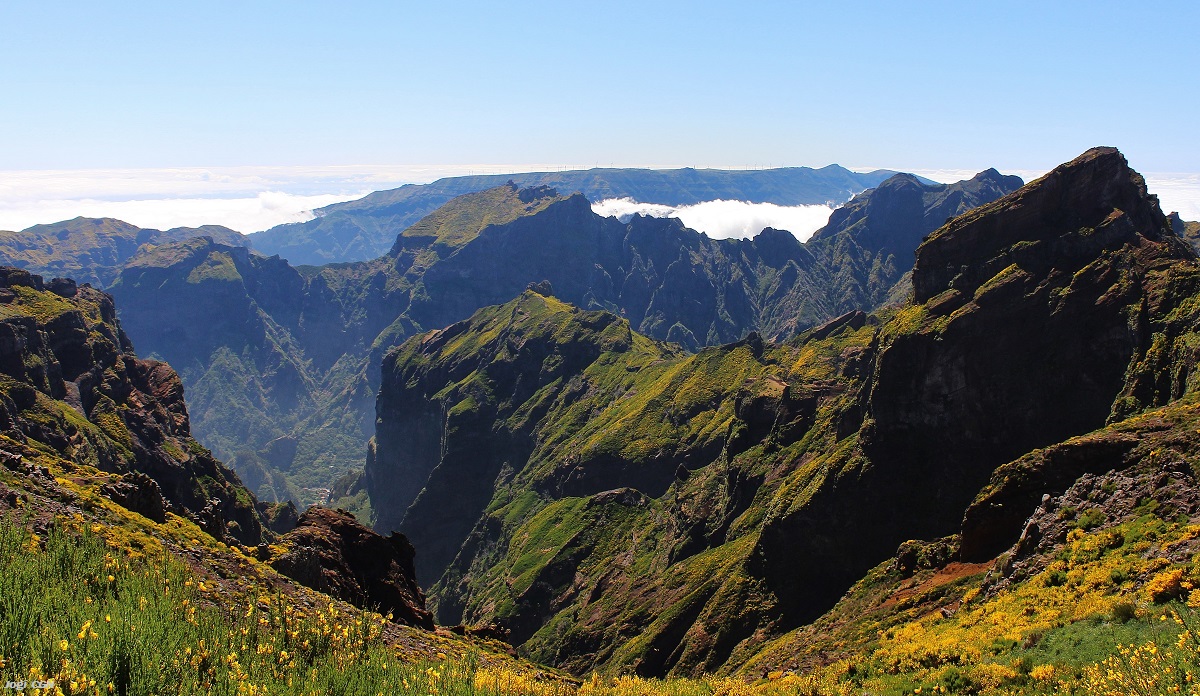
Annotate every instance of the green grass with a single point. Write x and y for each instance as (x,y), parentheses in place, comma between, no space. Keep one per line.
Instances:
(217,266)
(40,305)
(463,218)
(95,620)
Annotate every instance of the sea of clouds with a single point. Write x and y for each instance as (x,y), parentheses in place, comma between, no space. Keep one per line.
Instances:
(250,199)
(726,219)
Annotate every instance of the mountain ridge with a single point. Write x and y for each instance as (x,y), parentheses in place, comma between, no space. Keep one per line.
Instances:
(364,229)
(749,486)
(316,336)
(93,250)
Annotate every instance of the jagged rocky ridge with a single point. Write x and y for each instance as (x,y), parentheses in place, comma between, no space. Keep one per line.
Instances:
(70,383)
(281,363)
(634,506)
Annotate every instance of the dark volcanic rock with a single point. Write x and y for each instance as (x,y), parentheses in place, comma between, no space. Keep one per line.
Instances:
(1145,463)
(996,516)
(331,552)
(1065,219)
(281,518)
(64,287)
(139,493)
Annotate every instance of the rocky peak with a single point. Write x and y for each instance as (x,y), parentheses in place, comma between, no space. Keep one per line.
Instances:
(331,552)
(1026,316)
(776,247)
(896,215)
(993,176)
(1065,219)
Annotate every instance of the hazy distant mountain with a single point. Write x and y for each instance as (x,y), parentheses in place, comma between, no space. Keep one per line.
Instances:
(92,250)
(364,229)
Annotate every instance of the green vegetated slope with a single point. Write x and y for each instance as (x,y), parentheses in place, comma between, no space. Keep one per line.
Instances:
(1188,230)
(619,505)
(366,228)
(92,250)
(281,364)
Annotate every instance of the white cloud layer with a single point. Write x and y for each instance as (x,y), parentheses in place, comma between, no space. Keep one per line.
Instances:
(722,219)
(1177,192)
(260,212)
(247,199)
(250,199)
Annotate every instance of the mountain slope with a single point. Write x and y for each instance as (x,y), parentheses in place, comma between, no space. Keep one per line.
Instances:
(131,561)
(92,250)
(666,513)
(71,388)
(364,229)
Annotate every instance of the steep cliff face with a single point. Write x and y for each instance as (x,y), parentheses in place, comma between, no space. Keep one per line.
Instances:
(227,320)
(1026,315)
(667,512)
(71,383)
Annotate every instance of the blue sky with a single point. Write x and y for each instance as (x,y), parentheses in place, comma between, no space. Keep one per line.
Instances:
(906,85)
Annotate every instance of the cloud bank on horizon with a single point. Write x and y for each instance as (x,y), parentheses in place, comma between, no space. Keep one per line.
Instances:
(249,214)
(246,199)
(251,199)
(723,219)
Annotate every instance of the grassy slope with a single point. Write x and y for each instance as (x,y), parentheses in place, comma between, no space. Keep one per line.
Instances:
(104,600)
(464,218)
(1108,584)
(889,635)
